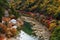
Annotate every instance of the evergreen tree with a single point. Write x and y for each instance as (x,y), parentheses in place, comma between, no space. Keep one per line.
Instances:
(56,34)
(3,6)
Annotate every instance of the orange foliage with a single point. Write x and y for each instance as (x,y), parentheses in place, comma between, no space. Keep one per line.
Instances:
(3,26)
(1,38)
(5,19)
(10,25)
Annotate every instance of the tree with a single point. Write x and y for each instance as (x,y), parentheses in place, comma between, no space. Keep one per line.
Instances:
(56,34)
(55,7)
(43,6)
(3,6)
(14,12)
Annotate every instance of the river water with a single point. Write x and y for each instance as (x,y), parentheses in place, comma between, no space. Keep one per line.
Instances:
(25,36)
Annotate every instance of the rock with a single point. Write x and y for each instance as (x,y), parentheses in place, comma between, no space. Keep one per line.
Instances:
(13,21)
(14,27)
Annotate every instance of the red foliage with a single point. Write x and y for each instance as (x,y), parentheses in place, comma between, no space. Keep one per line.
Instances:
(1,38)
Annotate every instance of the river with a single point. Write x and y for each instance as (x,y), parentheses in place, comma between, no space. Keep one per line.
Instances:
(25,36)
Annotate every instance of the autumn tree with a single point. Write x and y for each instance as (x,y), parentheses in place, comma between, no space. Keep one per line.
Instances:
(46,7)
(54,8)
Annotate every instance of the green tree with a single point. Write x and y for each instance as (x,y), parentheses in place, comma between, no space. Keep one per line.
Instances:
(56,34)
(14,12)
(1,13)
(3,6)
